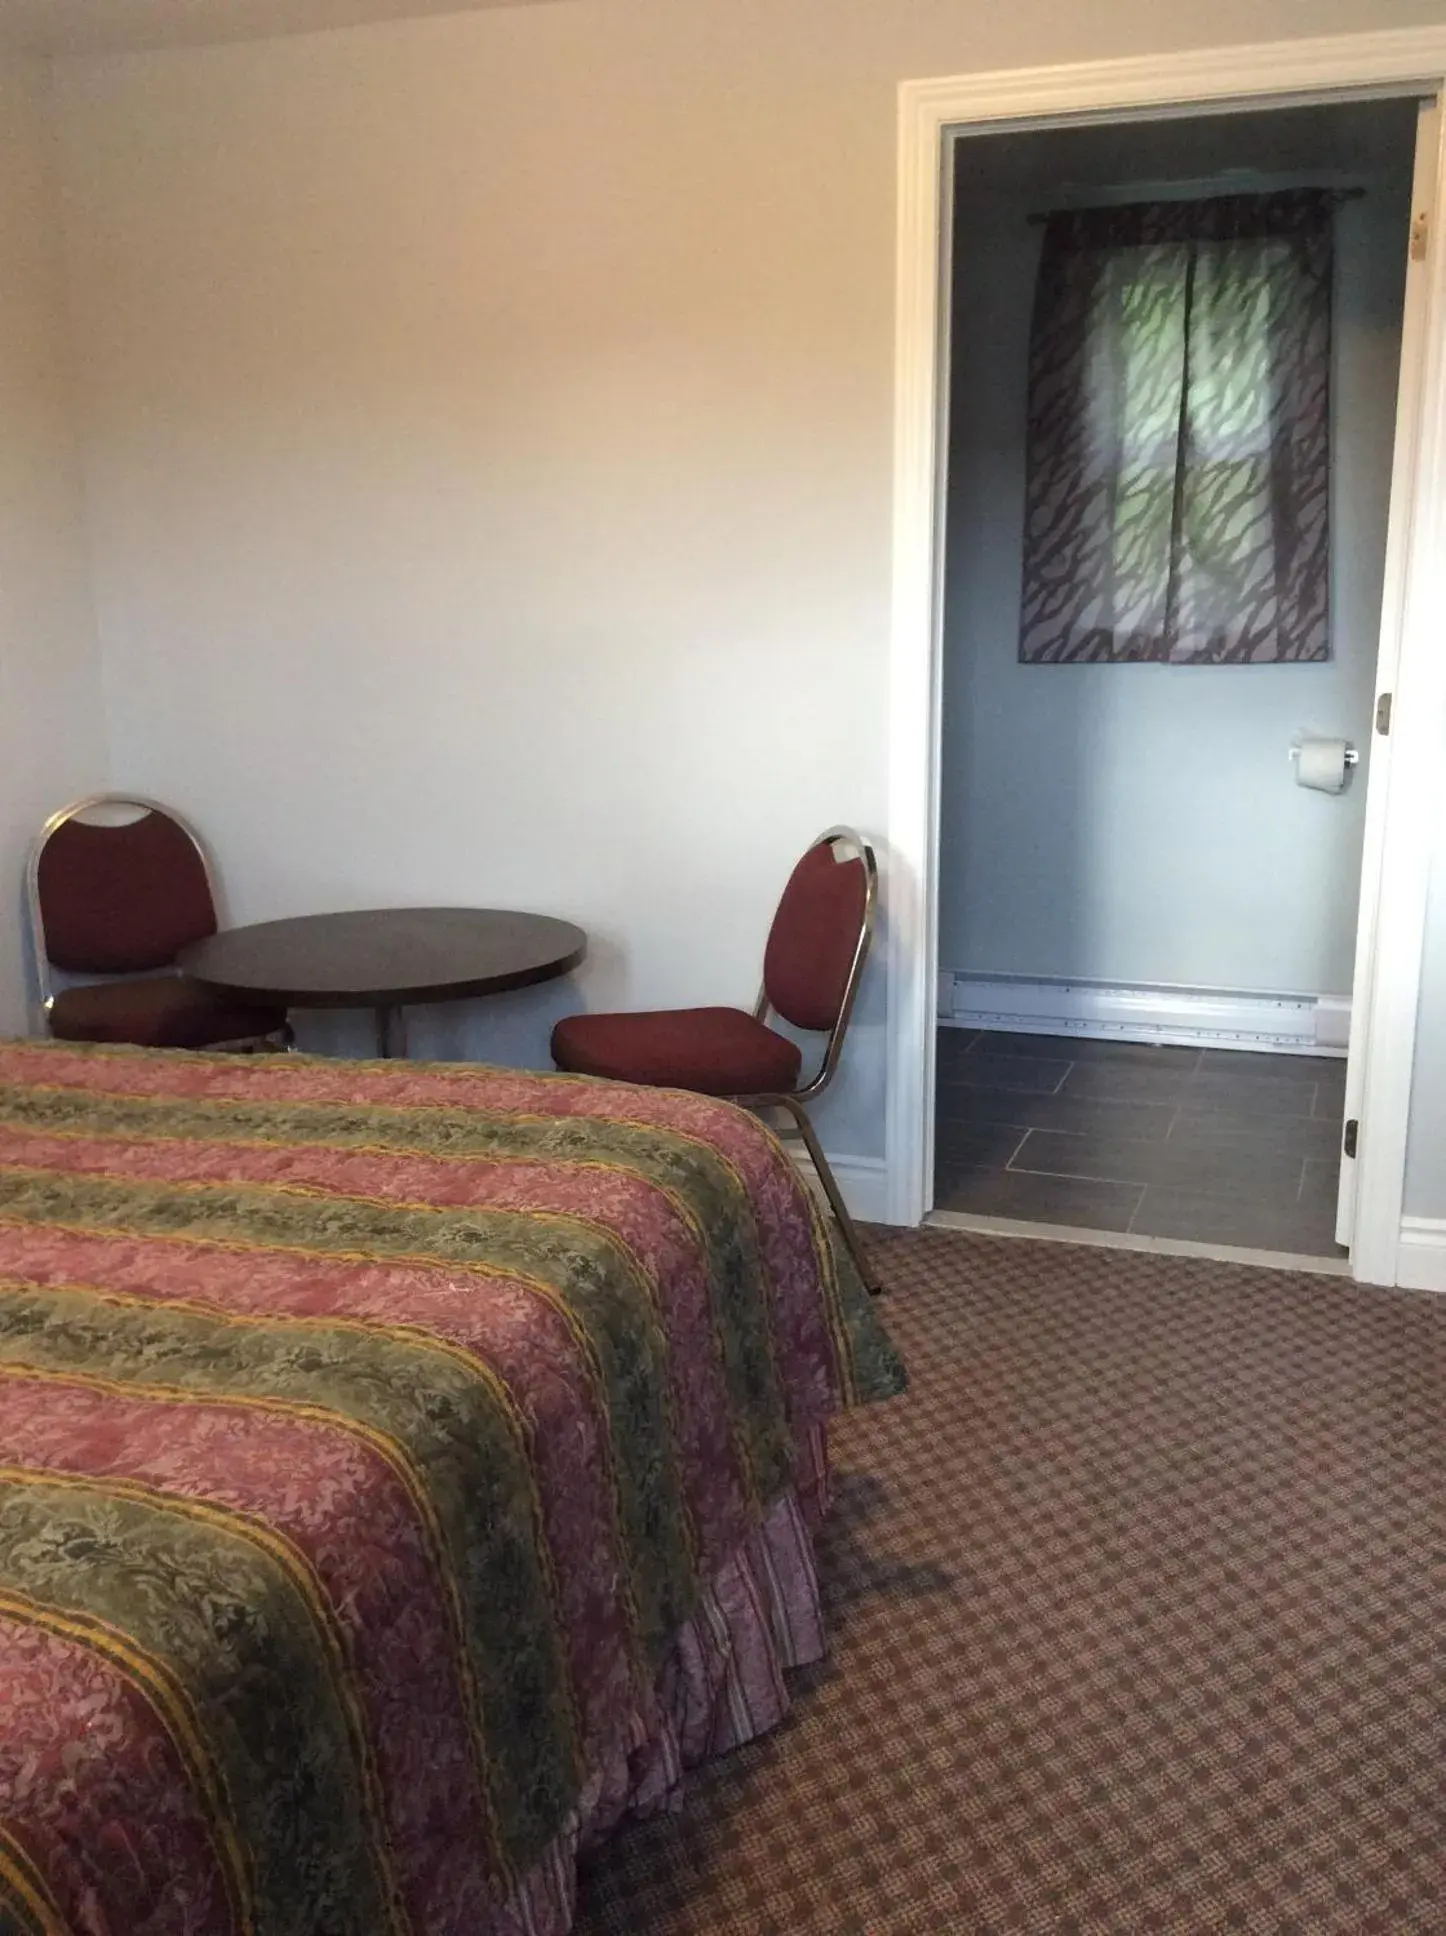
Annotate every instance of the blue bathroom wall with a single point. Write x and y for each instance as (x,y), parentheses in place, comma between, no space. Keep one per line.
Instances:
(1140,823)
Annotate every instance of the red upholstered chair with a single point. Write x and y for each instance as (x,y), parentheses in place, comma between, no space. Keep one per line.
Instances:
(815,956)
(112,896)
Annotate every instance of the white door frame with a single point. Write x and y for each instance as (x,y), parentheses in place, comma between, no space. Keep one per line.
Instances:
(1406,768)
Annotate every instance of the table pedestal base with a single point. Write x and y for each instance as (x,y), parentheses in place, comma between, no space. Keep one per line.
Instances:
(392,1032)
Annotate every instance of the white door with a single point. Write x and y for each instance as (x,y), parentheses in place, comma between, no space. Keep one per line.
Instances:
(1398,537)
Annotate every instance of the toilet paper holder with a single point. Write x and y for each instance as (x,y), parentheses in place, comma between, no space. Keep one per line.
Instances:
(1353,758)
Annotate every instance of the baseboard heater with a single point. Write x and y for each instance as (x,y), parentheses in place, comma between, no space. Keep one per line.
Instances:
(1194,1017)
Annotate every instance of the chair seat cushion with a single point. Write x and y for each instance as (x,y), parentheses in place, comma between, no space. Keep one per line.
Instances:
(157,1012)
(717,1051)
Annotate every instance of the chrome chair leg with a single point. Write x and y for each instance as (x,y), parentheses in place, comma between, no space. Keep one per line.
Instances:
(824,1171)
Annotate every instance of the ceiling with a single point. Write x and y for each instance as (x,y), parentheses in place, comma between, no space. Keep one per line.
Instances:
(86,26)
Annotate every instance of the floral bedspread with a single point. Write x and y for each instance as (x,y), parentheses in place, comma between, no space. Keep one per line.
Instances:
(366,1430)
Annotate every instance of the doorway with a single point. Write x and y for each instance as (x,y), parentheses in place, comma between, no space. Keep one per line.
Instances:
(1404,793)
(1147,921)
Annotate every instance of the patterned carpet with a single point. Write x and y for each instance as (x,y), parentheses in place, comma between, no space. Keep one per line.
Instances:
(1137,1612)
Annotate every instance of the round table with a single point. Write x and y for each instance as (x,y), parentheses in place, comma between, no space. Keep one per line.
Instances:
(382,958)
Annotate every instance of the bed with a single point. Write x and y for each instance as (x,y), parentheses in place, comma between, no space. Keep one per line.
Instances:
(406,1471)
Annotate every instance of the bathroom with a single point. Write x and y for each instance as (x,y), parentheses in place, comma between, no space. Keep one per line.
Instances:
(1150,861)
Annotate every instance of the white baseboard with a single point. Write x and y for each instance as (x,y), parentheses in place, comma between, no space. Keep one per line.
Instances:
(861,1178)
(1421,1258)
(1194,1017)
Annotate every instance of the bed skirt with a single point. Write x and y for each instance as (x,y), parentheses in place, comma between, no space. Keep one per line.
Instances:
(721,1684)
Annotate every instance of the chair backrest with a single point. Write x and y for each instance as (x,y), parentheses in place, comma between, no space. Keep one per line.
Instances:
(820,936)
(113,896)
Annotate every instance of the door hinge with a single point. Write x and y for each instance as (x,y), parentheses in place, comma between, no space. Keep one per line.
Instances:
(1351,1137)
(1420,236)
(1383,713)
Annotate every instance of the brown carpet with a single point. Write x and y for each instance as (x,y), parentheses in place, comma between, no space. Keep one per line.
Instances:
(1138,1602)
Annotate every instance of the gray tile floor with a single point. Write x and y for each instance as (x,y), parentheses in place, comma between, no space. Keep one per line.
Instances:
(1221,1145)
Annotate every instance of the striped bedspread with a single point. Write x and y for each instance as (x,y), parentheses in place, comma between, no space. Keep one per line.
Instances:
(366,1432)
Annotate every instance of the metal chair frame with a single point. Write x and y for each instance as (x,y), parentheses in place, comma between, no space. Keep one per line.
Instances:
(793,1101)
(279,1038)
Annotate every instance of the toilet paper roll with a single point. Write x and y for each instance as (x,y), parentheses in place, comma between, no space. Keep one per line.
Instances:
(1321,764)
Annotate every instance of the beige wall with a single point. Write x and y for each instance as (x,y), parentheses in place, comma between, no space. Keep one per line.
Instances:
(51,741)
(489,445)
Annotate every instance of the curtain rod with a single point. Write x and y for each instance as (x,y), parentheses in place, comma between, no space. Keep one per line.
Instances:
(1037,220)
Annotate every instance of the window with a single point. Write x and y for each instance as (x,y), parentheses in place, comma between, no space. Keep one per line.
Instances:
(1177,504)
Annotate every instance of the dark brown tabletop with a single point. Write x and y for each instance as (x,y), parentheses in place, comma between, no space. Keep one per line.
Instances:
(383,957)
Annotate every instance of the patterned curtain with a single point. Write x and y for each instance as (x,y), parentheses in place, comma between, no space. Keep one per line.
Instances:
(1178,495)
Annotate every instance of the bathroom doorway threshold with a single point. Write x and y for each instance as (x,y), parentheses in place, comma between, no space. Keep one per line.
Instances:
(1059,1233)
